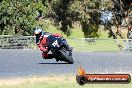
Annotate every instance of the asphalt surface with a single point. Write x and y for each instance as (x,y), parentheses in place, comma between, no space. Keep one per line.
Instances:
(19,63)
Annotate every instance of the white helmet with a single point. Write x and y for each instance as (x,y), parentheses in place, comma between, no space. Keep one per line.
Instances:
(38,31)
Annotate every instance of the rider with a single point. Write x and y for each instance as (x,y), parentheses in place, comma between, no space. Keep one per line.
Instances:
(41,41)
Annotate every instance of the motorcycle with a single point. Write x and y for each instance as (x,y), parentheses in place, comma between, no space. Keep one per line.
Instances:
(60,49)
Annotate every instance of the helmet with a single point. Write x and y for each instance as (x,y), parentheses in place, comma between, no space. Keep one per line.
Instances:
(38,31)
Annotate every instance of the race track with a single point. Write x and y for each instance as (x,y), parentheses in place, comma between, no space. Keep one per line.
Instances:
(19,63)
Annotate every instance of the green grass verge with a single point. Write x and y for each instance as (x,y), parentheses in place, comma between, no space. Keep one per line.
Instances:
(64,82)
(99,45)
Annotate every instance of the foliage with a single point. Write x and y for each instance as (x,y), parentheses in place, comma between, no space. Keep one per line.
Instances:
(121,10)
(18,16)
(66,12)
(86,11)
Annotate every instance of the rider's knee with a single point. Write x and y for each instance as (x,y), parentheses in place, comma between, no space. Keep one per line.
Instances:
(44,55)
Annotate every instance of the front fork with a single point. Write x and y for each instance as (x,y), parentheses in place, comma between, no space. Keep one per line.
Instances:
(69,49)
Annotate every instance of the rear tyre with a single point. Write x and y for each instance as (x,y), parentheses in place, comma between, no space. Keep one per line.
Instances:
(67,58)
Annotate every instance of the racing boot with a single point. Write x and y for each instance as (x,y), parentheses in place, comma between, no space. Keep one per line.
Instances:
(50,56)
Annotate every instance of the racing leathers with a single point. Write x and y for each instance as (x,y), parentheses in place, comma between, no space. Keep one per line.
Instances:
(42,44)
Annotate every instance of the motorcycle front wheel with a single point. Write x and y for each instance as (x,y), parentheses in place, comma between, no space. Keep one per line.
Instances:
(67,58)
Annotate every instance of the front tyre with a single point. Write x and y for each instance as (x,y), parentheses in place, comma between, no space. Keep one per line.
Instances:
(67,58)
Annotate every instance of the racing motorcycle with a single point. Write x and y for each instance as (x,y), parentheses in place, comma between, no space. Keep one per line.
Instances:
(60,49)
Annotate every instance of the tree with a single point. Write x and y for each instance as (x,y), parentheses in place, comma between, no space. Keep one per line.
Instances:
(121,10)
(18,16)
(65,12)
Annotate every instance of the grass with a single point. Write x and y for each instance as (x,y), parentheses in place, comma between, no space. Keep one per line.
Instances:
(81,45)
(98,45)
(57,82)
(75,33)
(101,45)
